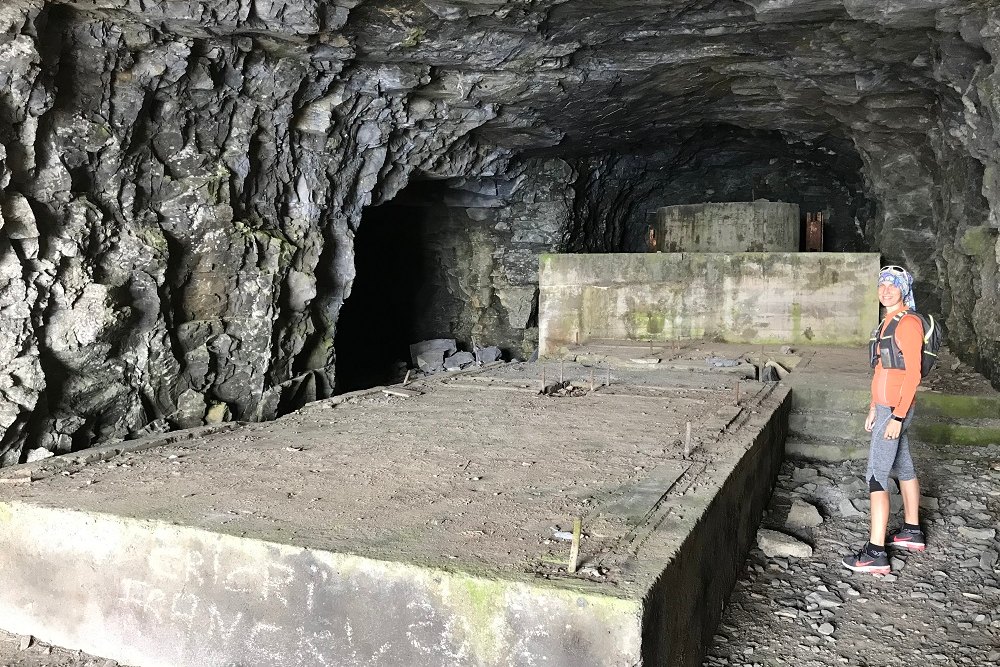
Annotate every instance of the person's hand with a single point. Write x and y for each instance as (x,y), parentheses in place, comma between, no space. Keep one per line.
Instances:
(870,422)
(892,429)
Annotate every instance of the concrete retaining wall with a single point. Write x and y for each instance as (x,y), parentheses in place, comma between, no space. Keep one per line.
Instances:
(760,226)
(153,594)
(795,298)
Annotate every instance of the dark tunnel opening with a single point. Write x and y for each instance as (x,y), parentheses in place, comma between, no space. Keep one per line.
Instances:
(379,319)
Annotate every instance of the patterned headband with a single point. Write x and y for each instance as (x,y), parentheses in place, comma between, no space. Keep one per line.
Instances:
(902,280)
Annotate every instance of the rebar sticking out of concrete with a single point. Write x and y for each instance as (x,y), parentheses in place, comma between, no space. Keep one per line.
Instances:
(574,550)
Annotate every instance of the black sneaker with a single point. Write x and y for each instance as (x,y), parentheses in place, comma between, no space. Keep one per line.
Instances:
(907,538)
(865,561)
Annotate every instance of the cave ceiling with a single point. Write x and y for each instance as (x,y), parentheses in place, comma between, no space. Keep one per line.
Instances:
(576,77)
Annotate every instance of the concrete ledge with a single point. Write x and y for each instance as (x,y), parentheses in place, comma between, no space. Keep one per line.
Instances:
(148,593)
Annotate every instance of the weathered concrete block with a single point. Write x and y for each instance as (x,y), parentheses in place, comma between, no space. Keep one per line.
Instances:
(759,226)
(206,599)
(447,347)
(773,298)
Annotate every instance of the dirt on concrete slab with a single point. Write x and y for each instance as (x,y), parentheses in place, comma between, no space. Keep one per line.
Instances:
(475,470)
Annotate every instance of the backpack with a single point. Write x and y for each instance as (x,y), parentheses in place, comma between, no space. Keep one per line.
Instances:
(884,347)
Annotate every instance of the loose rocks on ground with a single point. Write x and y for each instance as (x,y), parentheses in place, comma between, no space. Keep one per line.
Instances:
(938,607)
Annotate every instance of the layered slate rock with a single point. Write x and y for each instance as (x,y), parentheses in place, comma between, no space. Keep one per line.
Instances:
(181,182)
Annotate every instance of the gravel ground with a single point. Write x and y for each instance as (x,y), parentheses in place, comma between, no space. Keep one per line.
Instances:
(939,607)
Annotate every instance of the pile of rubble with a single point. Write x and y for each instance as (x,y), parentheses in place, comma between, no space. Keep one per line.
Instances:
(442,354)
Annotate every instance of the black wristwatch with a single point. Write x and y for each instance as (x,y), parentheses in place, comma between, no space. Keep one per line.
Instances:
(899,419)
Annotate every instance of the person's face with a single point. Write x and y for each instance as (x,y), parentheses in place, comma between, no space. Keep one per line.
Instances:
(889,295)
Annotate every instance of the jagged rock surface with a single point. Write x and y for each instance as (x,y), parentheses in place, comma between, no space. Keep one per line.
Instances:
(181,182)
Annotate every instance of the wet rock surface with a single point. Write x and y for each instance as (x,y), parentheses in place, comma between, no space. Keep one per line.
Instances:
(181,183)
(938,607)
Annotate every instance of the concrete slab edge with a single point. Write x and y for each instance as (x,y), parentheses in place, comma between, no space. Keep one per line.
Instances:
(683,608)
(150,593)
(105,452)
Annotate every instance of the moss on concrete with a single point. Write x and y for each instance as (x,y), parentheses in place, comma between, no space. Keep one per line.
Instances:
(955,434)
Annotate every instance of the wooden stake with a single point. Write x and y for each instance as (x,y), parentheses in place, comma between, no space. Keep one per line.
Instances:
(591,379)
(574,550)
(737,392)
(687,441)
(543,378)
(609,377)
(560,371)
(407,378)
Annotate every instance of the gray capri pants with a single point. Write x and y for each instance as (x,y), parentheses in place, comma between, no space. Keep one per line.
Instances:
(889,456)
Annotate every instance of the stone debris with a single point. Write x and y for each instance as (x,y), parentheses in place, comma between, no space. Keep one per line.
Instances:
(848,510)
(446,347)
(38,454)
(430,361)
(776,544)
(803,515)
(720,362)
(459,360)
(928,503)
(812,612)
(804,474)
(442,354)
(977,534)
(487,355)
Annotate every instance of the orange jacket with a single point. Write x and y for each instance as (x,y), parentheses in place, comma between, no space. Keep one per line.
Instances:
(896,388)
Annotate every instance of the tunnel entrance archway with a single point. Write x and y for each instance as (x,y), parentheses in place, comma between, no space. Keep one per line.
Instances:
(378,321)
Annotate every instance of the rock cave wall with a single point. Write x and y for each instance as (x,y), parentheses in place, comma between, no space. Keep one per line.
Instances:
(484,239)
(181,182)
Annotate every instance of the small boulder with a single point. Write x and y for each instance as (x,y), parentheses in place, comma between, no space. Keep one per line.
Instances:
(977,534)
(780,545)
(38,454)
(487,355)
(803,474)
(803,515)
(430,361)
(458,361)
(847,509)
(446,346)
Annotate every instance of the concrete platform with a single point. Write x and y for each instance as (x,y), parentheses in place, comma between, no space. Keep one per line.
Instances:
(409,529)
(831,392)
